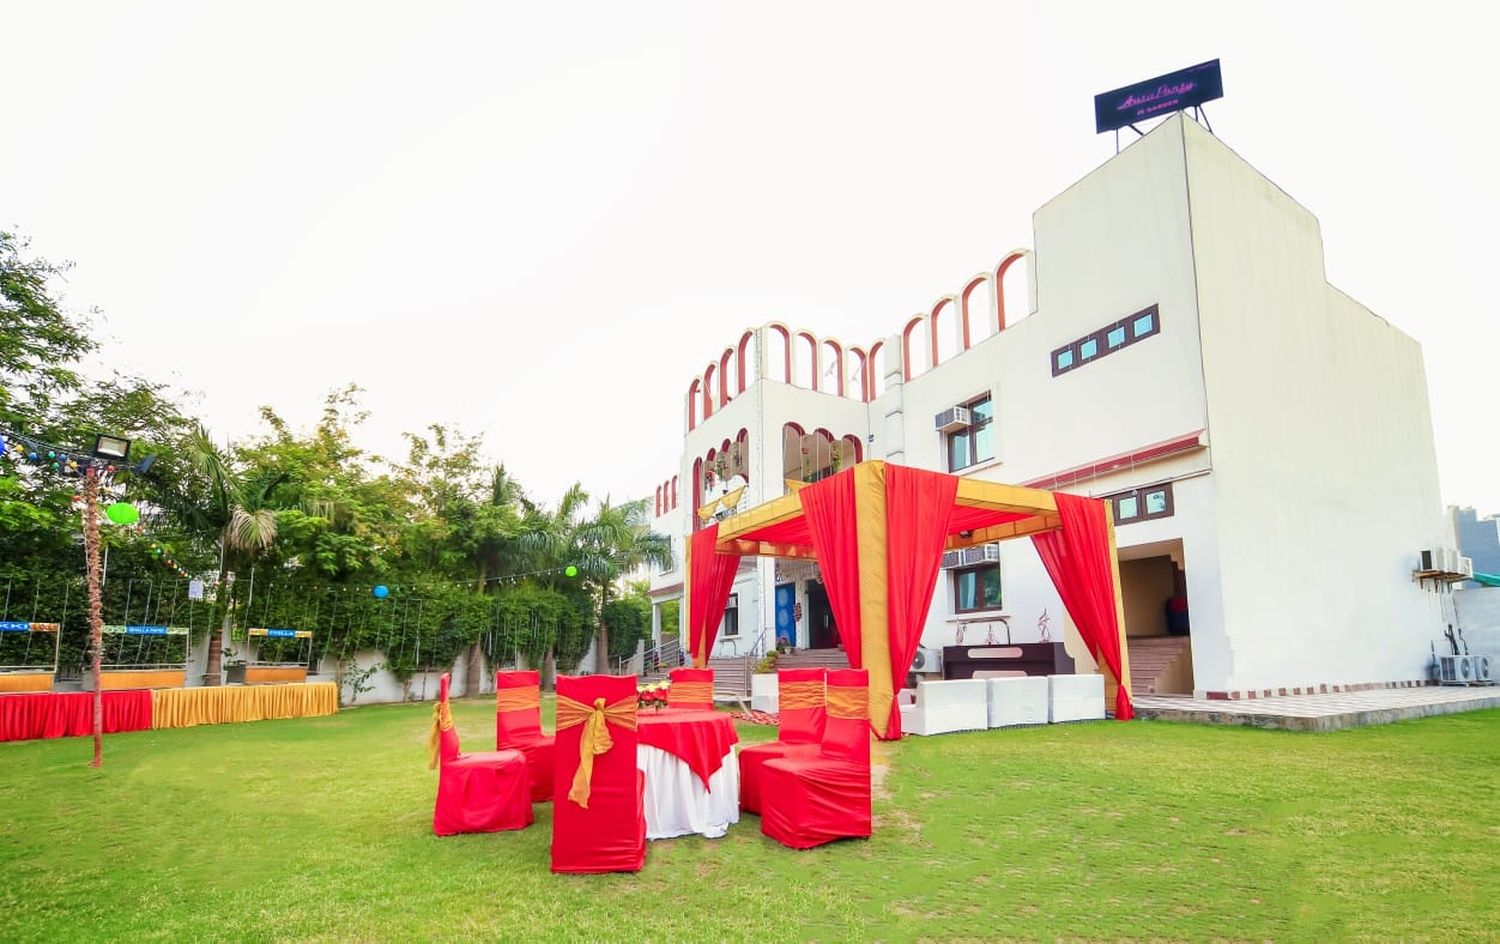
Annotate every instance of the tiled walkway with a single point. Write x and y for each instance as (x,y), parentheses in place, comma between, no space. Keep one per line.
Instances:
(1328,712)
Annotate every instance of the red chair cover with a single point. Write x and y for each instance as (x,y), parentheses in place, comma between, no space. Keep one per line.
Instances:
(477,793)
(603,830)
(807,801)
(691,688)
(27,715)
(518,726)
(801,711)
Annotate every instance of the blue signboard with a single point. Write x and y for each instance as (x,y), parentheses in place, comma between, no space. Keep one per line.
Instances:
(281,633)
(12,626)
(1159,96)
(145,630)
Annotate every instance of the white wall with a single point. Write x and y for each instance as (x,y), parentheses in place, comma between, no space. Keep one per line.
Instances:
(1324,469)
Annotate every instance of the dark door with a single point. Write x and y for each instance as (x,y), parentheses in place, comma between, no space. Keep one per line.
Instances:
(822,634)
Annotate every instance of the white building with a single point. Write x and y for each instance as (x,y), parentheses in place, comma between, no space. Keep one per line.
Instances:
(1265,438)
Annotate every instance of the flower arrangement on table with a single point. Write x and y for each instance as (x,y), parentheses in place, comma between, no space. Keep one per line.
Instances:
(652,696)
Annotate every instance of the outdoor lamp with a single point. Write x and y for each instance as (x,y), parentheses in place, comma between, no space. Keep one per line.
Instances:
(111,447)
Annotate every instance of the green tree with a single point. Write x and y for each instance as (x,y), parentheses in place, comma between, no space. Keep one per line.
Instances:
(615,541)
(39,342)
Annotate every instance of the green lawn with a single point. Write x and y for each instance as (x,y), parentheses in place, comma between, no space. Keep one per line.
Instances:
(321,829)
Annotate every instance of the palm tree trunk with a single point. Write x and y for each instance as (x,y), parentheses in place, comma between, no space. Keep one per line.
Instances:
(601,643)
(472,673)
(212,674)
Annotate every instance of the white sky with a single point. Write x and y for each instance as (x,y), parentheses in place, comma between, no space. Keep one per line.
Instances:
(538,221)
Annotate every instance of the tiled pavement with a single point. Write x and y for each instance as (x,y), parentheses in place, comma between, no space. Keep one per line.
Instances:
(1322,712)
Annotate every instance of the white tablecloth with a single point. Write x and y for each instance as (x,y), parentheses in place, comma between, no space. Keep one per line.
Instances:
(677,804)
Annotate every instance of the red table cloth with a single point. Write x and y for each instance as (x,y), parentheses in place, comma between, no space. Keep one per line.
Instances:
(28,715)
(701,738)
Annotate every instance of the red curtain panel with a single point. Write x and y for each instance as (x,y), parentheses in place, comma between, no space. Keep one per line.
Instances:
(829,509)
(1077,560)
(800,722)
(604,828)
(483,792)
(518,726)
(710,578)
(918,511)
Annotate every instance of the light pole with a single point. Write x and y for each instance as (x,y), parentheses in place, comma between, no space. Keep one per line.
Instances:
(107,450)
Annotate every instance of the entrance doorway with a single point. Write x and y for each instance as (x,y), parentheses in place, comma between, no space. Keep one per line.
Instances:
(821,631)
(1153,590)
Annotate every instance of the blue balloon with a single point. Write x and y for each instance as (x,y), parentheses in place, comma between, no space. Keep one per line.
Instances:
(381,592)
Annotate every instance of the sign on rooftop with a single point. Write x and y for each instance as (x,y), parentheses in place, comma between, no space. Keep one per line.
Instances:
(1162,95)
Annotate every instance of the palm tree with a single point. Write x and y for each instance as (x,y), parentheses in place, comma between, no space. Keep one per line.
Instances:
(500,526)
(614,542)
(229,507)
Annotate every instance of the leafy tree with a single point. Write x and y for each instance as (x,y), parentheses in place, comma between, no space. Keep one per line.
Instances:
(614,542)
(39,342)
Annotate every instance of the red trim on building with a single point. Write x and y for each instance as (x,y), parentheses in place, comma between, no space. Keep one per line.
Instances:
(1124,460)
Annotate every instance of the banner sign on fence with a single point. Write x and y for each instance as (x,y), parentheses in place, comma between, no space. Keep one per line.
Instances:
(138,630)
(281,633)
(21,626)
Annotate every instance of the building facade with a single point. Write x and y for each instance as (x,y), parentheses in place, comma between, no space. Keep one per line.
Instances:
(1170,344)
(1478,539)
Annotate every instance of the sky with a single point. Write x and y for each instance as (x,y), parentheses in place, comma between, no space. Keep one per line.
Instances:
(538,221)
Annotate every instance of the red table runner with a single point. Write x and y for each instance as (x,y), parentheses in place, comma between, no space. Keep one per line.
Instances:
(28,715)
(700,738)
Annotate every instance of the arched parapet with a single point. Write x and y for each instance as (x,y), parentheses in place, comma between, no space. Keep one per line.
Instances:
(727,363)
(1016,255)
(937,348)
(776,330)
(972,301)
(807,341)
(710,375)
(743,362)
(694,394)
(674,493)
(835,348)
(859,372)
(913,325)
(875,372)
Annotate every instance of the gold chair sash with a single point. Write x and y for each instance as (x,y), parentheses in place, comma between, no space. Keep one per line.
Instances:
(800,696)
(690,692)
(848,703)
(595,739)
(518,699)
(442,720)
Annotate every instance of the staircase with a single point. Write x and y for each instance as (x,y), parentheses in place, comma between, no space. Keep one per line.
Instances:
(1160,665)
(813,659)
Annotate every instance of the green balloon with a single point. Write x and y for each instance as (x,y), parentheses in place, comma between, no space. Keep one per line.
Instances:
(571,571)
(122,513)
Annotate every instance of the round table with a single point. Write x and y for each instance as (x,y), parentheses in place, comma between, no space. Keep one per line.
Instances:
(692,777)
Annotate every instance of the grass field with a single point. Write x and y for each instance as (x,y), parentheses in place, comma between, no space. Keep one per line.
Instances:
(320,829)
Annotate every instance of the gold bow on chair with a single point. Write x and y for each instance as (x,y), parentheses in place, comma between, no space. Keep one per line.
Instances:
(442,720)
(595,738)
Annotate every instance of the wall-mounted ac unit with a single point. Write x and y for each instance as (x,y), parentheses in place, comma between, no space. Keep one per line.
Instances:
(928,661)
(952,419)
(1456,670)
(952,559)
(1430,560)
(981,554)
(1482,668)
(1465,567)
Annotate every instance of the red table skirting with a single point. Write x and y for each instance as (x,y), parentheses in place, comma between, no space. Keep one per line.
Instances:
(71,714)
(700,738)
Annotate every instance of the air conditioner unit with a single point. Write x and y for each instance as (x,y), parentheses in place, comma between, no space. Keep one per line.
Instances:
(981,554)
(952,419)
(1450,560)
(1456,670)
(1482,668)
(928,661)
(1466,567)
(952,559)
(1430,560)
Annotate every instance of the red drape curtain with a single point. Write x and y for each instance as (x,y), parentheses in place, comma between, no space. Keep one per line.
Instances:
(711,576)
(1077,560)
(829,509)
(918,511)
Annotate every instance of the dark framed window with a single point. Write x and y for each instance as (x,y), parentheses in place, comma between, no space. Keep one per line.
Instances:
(1108,339)
(1142,504)
(976,588)
(975,442)
(732,616)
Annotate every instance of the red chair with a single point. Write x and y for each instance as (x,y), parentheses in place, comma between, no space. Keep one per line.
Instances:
(477,793)
(691,688)
(807,801)
(802,716)
(598,818)
(518,726)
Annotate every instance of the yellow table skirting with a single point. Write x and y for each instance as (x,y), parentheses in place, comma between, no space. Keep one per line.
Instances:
(25,681)
(185,707)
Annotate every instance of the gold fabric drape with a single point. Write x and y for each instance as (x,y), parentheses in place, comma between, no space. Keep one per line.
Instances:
(796,696)
(595,738)
(442,720)
(848,703)
(518,699)
(185,707)
(690,693)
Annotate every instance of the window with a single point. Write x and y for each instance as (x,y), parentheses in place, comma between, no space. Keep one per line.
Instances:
(975,442)
(976,589)
(732,616)
(1107,340)
(1142,504)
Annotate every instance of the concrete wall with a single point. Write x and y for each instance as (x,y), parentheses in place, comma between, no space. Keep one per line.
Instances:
(1324,468)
